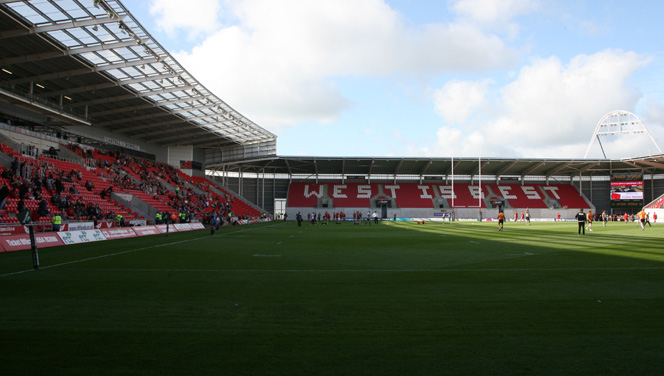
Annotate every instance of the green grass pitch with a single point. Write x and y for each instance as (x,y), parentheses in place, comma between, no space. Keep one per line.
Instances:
(390,299)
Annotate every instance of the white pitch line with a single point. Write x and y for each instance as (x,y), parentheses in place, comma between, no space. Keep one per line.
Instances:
(101,256)
(523,254)
(118,253)
(368,270)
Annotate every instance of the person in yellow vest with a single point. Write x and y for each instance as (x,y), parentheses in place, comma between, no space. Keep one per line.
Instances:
(56,221)
(183,217)
(118,220)
(157,218)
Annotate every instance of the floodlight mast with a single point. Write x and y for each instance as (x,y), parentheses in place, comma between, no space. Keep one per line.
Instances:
(619,122)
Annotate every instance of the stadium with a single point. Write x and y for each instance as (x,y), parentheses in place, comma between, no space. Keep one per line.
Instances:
(178,250)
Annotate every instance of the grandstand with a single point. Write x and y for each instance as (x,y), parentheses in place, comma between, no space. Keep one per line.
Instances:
(97,121)
(89,96)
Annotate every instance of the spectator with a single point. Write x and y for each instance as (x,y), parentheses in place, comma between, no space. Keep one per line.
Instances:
(15,165)
(56,221)
(49,182)
(42,210)
(59,187)
(4,192)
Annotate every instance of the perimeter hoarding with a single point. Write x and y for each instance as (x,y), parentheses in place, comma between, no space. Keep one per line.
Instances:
(78,237)
(22,242)
(118,233)
(627,190)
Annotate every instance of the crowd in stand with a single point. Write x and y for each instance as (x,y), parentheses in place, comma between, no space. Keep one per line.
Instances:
(36,180)
(152,177)
(58,191)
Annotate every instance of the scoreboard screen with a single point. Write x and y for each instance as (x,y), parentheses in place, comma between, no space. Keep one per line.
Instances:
(626,190)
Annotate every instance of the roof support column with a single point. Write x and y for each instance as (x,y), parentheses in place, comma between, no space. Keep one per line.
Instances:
(240,183)
(343,171)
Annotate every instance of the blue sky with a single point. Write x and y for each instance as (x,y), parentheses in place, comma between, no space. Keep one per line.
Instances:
(405,78)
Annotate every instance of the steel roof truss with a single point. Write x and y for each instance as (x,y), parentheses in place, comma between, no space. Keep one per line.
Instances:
(152,125)
(131,119)
(425,167)
(222,141)
(68,52)
(229,141)
(178,134)
(532,169)
(135,108)
(556,169)
(505,169)
(57,26)
(135,95)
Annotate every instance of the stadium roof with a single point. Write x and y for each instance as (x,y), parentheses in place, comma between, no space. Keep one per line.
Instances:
(363,166)
(89,62)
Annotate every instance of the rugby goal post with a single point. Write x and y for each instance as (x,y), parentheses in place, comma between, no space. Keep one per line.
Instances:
(480,197)
(26,220)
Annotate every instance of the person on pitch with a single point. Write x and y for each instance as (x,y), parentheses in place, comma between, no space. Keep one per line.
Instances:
(642,219)
(501,220)
(605,218)
(581,219)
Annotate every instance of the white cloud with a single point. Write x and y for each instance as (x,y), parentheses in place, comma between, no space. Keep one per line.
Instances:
(195,17)
(551,110)
(455,142)
(458,99)
(653,112)
(497,14)
(653,118)
(278,63)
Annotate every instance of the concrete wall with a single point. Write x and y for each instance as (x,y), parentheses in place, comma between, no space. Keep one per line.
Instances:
(160,153)
(199,156)
(25,139)
(180,153)
(8,111)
